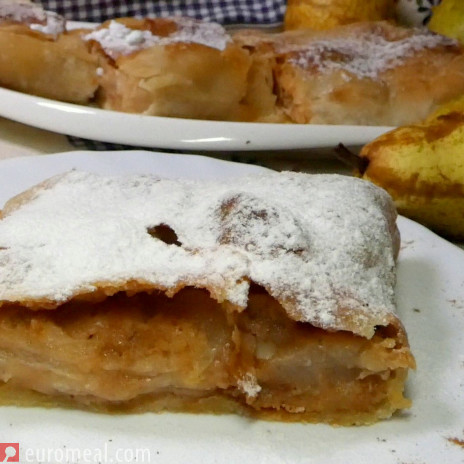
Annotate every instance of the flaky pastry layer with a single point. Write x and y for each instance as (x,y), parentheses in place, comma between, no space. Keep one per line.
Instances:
(190,69)
(368,73)
(147,352)
(38,56)
(360,74)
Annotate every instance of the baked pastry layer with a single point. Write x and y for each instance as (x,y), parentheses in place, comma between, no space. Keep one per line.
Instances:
(369,73)
(176,67)
(271,296)
(150,352)
(38,56)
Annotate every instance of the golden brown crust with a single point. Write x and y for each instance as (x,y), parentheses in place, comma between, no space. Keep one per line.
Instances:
(359,74)
(345,306)
(174,79)
(177,67)
(59,68)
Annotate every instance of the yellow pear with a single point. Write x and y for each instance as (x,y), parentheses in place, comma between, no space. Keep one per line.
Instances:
(448,19)
(326,14)
(422,167)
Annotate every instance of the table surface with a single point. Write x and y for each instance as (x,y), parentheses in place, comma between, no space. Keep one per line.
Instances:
(18,139)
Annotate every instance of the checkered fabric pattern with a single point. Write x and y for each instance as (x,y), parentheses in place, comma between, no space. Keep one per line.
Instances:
(95,145)
(268,12)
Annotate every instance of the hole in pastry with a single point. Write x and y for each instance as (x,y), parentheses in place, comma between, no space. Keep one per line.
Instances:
(389,331)
(257,289)
(164,233)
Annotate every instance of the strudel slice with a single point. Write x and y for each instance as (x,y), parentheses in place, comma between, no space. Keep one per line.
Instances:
(176,67)
(368,73)
(38,56)
(271,296)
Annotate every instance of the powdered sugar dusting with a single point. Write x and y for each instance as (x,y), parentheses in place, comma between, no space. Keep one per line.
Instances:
(117,39)
(55,25)
(319,244)
(367,54)
(21,12)
(248,384)
(35,17)
(201,32)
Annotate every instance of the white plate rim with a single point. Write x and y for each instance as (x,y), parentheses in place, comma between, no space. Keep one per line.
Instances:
(158,132)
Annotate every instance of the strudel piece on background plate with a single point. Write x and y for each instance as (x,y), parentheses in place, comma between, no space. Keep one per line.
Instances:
(38,56)
(176,67)
(367,73)
(270,296)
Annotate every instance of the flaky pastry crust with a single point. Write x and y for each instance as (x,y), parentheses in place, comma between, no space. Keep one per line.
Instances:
(360,74)
(179,68)
(38,56)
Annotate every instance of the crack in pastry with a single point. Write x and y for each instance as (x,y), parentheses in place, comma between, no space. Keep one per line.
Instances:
(270,296)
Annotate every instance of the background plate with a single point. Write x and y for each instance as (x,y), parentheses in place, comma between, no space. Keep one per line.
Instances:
(175,133)
(430,295)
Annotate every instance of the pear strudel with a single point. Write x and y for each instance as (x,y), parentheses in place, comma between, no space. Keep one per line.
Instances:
(176,67)
(368,73)
(270,296)
(38,56)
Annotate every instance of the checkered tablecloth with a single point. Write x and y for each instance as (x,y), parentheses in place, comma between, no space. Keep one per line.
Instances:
(227,12)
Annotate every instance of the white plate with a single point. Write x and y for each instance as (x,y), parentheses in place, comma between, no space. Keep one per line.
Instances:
(430,302)
(175,133)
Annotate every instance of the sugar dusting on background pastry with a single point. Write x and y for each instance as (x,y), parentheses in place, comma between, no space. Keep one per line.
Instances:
(22,12)
(117,39)
(365,55)
(321,245)
(37,19)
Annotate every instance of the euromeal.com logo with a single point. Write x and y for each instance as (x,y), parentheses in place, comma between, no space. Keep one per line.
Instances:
(10,452)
